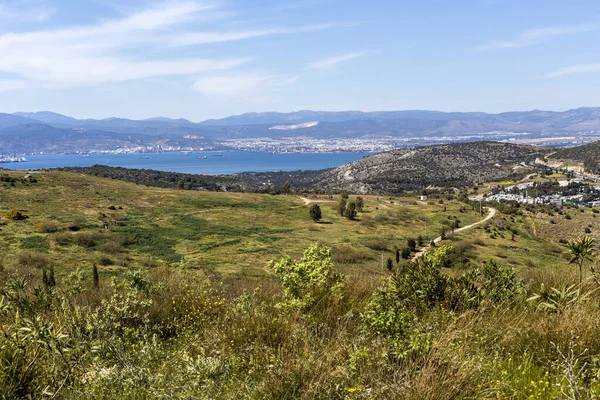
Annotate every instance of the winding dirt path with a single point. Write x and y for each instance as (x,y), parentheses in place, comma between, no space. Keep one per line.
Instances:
(491,213)
(308,201)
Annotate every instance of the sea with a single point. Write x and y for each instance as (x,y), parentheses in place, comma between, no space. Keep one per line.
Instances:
(206,162)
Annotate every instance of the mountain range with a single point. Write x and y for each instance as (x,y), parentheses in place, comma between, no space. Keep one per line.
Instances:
(45,131)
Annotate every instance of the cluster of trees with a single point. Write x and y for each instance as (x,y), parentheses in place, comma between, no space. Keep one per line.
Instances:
(349,208)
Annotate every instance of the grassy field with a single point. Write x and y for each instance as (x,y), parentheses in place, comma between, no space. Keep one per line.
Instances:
(185,305)
(120,225)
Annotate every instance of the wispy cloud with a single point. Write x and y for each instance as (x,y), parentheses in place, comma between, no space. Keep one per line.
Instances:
(241,85)
(536,36)
(573,69)
(332,62)
(118,50)
(189,39)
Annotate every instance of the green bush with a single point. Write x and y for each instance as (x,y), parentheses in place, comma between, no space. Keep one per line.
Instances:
(310,280)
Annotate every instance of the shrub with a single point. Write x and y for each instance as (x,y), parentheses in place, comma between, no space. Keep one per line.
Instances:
(63,239)
(32,260)
(310,280)
(85,239)
(47,227)
(377,244)
(14,215)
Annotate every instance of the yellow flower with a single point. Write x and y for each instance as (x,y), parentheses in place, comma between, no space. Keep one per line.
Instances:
(352,390)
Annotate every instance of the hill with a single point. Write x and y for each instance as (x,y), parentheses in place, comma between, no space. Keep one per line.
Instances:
(579,153)
(452,165)
(115,290)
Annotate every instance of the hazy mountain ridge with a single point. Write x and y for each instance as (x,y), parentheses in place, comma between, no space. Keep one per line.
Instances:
(582,124)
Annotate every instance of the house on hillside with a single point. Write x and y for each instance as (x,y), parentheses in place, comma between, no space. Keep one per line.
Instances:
(423,198)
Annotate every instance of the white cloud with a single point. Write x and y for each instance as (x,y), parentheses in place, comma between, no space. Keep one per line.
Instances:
(241,85)
(536,36)
(116,50)
(573,69)
(332,62)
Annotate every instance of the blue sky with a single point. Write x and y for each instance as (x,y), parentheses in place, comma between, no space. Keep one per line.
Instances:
(202,59)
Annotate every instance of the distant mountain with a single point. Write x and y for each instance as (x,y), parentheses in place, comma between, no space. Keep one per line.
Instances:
(399,127)
(49,117)
(337,116)
(7,120)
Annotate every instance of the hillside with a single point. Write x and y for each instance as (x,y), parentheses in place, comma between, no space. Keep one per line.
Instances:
(580,153)
(114,290)
(452,165)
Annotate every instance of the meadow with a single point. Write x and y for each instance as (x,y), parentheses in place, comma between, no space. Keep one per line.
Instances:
(184,303)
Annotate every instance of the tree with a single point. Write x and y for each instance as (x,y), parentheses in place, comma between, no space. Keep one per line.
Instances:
(420,240)
(341,207)
(360,203)
(344,196)
(412,244)
(397,256)
(406,253)
(581,250)
(315,212)
(390,264)
(350,211)
(96,277)
(443,233)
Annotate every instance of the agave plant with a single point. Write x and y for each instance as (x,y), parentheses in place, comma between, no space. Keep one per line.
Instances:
(555,299)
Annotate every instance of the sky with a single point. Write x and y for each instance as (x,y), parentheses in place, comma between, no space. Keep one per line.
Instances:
(201,59)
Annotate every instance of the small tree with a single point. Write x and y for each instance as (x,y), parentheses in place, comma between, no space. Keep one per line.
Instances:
(397,256)
(412,244)
(344,196)
(406,253)
(96,277)
(420,240)
(581,250)
(315,212)
(341,207)
(443,233)
(389,264)
(360,203)
(350,211)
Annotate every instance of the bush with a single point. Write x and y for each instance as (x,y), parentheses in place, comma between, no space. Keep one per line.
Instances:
(85,239)
(32,260)
(14,215)
(47,227)
(309,281)
(315,212)
(377,244)
(63,239)
(348,255)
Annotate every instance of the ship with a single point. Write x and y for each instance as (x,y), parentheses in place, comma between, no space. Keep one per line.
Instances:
(218,155)
(201,157)
(13,159)
(144,157)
